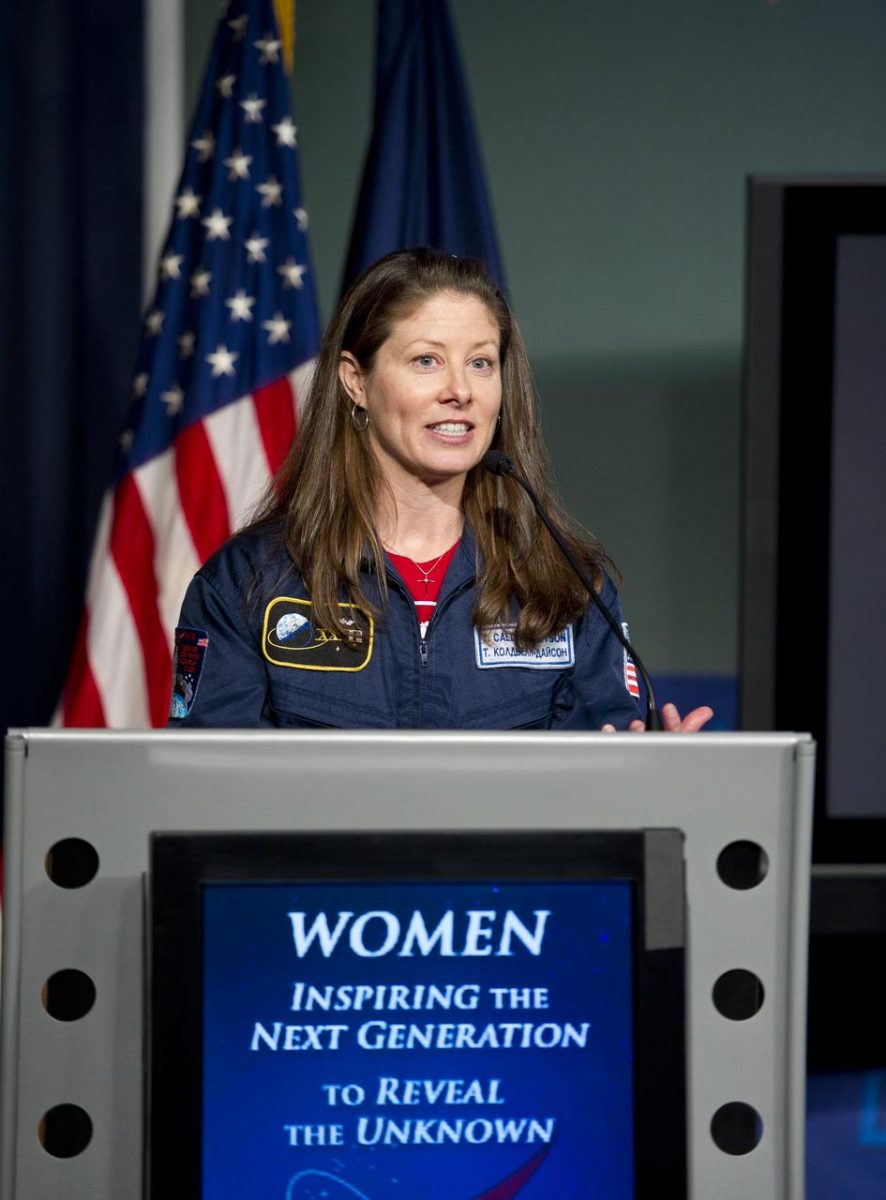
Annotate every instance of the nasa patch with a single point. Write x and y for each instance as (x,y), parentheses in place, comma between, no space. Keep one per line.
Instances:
(188,659)
(495,648)
(291,639)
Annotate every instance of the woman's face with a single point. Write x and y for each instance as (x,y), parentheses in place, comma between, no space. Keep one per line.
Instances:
(434,391)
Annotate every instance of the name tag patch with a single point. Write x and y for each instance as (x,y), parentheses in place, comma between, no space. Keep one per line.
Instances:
(495,648)
(188,658)
(291,639)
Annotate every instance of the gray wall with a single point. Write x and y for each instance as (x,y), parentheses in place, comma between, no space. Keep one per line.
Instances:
(617,138)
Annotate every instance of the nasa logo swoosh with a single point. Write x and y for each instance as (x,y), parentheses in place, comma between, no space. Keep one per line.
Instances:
(299,1187)
(514,1184)
(291,639)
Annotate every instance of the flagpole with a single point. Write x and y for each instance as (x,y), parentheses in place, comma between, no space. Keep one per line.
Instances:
(164,126)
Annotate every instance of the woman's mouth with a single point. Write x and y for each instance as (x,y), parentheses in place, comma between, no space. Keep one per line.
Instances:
(450,431)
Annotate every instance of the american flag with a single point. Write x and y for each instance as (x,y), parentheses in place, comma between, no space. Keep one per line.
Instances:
(227,348)
(631,681)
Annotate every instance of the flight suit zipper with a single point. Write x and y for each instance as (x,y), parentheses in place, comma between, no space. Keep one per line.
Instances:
(423,648)
(465,585)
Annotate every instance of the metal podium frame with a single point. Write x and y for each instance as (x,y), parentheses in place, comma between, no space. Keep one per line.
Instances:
(114,789)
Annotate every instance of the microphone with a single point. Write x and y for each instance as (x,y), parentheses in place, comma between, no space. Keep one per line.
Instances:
(499,464)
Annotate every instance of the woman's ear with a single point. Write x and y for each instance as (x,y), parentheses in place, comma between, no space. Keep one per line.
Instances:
(351,375)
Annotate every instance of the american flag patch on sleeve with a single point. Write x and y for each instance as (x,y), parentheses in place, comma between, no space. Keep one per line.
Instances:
(630,670)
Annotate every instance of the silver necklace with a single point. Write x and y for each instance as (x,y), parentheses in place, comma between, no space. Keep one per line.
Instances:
(425,574)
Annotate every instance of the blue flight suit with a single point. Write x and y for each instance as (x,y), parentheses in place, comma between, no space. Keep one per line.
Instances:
(249,656)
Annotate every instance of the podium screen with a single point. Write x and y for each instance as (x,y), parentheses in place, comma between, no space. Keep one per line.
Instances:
(465,1026)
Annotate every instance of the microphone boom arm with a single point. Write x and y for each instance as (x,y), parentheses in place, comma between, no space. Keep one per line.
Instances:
(500,464)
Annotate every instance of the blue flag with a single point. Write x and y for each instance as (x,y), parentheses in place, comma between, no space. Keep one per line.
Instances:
(423,179)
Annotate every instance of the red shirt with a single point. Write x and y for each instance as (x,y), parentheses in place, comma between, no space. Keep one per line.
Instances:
(424,581)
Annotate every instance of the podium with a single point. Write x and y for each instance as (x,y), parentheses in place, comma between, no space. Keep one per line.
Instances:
(82,809)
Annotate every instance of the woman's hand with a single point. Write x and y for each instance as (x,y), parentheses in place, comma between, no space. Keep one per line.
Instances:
(673,722)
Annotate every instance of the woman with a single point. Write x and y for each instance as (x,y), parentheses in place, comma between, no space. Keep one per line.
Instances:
(388,580)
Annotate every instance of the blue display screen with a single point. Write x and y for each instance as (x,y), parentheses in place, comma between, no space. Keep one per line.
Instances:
(388,1041)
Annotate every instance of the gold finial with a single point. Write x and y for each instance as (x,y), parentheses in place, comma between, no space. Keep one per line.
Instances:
(285,10)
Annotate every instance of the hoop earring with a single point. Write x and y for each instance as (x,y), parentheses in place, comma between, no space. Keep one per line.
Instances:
(360,424)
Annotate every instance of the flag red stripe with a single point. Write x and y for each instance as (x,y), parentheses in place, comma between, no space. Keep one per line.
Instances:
(82,702)
(201,490)
(132,549)
(275,413)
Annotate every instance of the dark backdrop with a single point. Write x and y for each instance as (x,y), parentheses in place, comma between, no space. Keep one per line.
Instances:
(71,116)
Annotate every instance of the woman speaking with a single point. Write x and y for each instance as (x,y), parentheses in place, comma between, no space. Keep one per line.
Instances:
(389,580)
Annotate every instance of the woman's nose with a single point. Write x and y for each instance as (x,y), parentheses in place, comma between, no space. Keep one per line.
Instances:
(457,386)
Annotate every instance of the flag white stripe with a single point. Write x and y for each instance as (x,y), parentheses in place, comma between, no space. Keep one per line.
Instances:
(175,558)
(115,653)
(240,457)
(300,381)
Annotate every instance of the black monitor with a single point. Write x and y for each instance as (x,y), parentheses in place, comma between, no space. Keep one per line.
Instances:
(814,635)
(385,1016)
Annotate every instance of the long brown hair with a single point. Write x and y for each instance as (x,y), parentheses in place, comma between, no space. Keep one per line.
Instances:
(326,494)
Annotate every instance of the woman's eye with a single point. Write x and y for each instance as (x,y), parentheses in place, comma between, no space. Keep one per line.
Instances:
(482,364)
(425,360)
